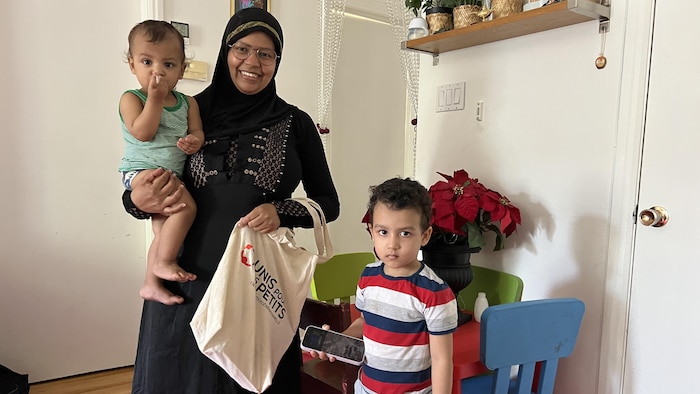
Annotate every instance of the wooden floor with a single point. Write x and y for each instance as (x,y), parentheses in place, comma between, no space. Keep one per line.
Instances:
(114,381)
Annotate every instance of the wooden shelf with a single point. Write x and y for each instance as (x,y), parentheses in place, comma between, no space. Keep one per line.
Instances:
(565,13)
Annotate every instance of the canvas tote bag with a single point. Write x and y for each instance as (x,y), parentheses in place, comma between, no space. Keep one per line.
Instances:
(251,309)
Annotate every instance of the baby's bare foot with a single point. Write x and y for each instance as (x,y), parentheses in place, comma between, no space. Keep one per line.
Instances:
(172,271)
(158,293)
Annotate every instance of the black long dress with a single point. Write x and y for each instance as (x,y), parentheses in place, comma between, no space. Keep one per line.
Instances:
(257,150)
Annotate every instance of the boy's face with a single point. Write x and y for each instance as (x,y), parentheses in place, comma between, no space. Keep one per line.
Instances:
(163,59)
(397,238)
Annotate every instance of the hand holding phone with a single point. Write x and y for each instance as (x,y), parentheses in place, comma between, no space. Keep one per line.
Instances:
(343,347)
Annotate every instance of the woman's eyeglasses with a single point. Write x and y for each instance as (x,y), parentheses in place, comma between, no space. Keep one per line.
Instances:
(266,57)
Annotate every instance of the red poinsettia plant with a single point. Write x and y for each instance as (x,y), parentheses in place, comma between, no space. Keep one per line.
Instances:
(464,209)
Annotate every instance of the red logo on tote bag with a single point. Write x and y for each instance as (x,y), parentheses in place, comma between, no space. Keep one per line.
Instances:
(247,254)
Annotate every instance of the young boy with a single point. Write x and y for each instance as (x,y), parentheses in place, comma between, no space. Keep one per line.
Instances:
(160,127)
(408,312)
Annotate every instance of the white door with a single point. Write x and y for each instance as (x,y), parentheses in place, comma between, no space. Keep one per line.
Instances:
(663,342)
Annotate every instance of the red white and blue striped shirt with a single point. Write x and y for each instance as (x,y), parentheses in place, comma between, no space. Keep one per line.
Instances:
(400,314)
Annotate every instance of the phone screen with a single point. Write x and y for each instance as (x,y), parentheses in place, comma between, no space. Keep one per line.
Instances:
(343,347)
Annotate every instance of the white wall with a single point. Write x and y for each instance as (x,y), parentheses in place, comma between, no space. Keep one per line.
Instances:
(72,261)
(368,119)
(548,142)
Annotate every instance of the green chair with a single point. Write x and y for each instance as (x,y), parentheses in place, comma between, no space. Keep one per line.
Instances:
(500,288)
(337,278)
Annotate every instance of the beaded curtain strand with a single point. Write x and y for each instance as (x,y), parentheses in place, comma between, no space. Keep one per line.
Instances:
(331,15)
(399,18)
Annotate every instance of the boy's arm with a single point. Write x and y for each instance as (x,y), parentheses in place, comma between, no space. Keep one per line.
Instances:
(142,120)
(355,328)
(441,363)
(195,131)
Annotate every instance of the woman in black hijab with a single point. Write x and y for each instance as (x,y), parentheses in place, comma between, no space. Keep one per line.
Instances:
(258,149)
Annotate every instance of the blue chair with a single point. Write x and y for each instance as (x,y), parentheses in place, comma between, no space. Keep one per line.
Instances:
(523,334)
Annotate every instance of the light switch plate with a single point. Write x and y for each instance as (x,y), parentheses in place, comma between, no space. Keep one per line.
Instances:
(199,71)
(451,97)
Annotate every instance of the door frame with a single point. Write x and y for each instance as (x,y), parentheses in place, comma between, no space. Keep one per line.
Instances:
(636,59)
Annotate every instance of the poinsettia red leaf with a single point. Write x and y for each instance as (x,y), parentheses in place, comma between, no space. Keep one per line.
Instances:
(514,213)
(443,208)
(460,177)
(365,219)
(506,224)
(467,207)
(498,213)
(449,178)
(491,202)
(444,195)
(442,191)
(513,220)
(448,224)
(509,230)
(479,187)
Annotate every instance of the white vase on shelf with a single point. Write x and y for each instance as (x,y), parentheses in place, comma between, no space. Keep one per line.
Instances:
(417,28)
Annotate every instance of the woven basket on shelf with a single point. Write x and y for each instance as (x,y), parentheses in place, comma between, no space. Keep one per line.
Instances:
(501,8)
(439,19)
(465,15)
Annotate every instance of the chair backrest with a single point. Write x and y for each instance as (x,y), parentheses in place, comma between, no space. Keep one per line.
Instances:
(524,333)
(323,376)
(337,278)
(318,313)
(500,288)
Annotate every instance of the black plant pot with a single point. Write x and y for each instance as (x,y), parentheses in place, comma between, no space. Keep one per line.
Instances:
(439,19)
(451,264)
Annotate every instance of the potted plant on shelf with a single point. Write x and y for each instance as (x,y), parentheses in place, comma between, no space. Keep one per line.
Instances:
(438,13)
(415,6)
(418,26)
(466,12)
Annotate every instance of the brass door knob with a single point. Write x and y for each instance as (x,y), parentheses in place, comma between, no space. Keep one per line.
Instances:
(655,216)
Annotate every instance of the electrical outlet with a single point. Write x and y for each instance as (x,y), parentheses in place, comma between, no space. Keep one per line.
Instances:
(479,110)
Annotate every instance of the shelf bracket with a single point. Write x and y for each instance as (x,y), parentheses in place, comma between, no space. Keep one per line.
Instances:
(591,9)
(604,26)
(436,59)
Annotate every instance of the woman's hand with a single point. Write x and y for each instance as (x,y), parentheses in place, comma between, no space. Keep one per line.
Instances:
(158,193)
(263,219)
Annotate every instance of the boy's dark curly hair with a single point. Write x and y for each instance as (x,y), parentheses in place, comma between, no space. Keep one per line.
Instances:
(399,193)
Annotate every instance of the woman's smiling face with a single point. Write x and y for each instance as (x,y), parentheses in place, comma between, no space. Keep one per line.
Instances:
(249,75)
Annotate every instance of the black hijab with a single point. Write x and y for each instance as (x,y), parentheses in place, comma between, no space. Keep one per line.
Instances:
(224,109)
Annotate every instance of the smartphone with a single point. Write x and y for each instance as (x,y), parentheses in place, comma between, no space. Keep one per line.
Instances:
(343,347)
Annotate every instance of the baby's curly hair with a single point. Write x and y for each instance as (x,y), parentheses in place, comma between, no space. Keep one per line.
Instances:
(155,32)
(398,193)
